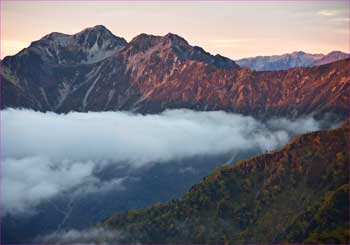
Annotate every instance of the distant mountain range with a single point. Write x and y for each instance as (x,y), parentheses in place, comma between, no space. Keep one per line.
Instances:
(298,194)
(94,70)
(287,61)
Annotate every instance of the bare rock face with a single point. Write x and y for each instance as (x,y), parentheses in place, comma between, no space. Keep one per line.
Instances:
(94,70)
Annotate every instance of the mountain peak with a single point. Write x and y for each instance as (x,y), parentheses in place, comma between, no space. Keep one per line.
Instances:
(96,29)
(169,36)
(339,54)
(173,43)
(90,45)
(336,52)
(100,31)
(297,53)
(175,38)
(144,37)
(54,35)
(144,41)
(100,37)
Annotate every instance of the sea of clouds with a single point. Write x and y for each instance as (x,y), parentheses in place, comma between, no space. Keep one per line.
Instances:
(46,154)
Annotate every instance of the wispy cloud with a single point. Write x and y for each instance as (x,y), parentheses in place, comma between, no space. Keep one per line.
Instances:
(328,12)
(341,19)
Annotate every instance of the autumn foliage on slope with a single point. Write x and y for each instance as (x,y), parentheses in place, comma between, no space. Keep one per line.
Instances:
(298,194)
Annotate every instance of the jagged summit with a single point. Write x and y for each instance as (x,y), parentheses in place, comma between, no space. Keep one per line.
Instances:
(100,28)
(102,31)
(90,45)
(167,37)
(174,44)
(174,38)
(142,42)
(54,35)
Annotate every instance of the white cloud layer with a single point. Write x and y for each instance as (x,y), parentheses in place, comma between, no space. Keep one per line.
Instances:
(45,154)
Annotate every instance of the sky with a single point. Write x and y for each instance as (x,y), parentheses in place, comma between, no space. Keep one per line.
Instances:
(235,29)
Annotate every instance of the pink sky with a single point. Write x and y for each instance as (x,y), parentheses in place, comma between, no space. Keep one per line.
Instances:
(235,29)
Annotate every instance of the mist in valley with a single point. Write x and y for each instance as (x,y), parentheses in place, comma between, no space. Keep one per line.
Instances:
(70,171)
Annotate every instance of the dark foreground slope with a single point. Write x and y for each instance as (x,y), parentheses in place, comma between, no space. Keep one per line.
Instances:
(297,194)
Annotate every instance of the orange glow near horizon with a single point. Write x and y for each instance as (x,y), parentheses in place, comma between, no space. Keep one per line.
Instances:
(233,29)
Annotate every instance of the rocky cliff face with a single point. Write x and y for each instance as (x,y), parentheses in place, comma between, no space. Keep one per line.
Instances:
(298,194)
(94,71)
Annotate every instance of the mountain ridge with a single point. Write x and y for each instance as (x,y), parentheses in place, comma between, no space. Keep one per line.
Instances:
(290,60)
(153,73)
(297,194)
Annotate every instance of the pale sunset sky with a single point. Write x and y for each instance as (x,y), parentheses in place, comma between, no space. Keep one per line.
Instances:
(235,29)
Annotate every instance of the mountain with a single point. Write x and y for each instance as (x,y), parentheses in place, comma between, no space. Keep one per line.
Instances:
(331,57)
(288,61)
(153,73)
(41,76)
(88,46)
(298,194)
